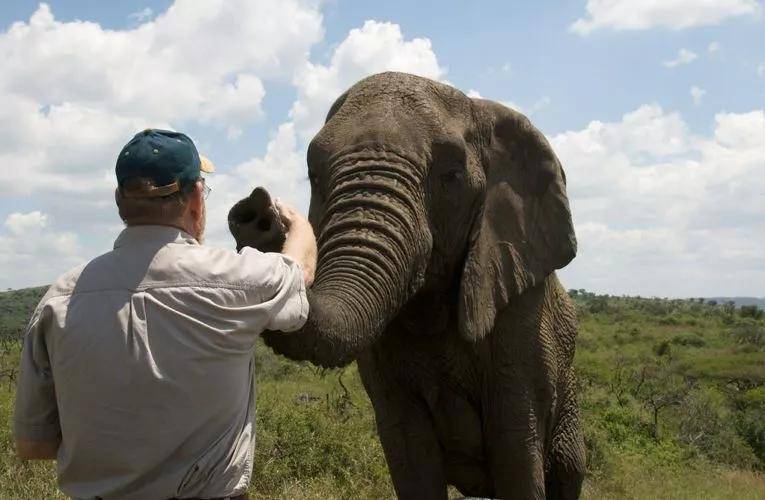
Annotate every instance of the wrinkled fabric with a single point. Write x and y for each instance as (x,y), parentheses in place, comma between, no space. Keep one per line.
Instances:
(142,361)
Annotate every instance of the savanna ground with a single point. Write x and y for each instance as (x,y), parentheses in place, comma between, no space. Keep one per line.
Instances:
(671,392)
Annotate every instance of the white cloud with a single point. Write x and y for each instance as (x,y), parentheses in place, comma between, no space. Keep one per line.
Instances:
(71,93)
(142,15)
(713,47)
(761,70)
(657,208)
(26,240)
(684,56)
(18,223)
(697,94)
(621,15)
(373,48)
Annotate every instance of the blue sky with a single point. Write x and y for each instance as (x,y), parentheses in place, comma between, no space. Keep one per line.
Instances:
(656,112)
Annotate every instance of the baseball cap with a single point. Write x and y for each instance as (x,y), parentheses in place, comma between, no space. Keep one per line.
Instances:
(169,158)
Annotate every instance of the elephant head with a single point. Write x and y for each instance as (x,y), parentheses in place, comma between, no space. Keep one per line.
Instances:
(418,191)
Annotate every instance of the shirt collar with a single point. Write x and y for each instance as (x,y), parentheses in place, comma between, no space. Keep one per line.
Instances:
(161,235)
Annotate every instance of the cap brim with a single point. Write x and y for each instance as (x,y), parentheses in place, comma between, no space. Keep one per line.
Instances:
(205,165)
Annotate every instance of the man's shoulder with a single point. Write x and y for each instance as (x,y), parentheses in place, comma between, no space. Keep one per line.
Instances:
(92,275)
(220,267)
(65,283)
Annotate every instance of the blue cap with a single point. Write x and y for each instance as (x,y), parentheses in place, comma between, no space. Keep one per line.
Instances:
(170,159)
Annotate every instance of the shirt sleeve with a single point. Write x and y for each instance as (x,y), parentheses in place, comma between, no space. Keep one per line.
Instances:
(286,298)
(36,412)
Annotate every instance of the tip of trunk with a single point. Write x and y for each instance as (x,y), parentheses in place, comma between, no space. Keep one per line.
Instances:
(255,222)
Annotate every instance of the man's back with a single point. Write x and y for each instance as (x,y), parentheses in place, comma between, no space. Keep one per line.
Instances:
(148,346)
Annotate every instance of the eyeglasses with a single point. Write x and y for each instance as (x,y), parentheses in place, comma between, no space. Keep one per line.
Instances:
(205,188)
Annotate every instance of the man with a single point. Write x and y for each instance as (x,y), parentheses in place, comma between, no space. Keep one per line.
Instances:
(137,368)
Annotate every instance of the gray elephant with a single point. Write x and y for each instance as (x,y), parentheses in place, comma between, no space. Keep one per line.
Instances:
(441,220)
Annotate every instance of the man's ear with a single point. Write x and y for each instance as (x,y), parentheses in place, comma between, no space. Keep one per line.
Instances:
(196,200)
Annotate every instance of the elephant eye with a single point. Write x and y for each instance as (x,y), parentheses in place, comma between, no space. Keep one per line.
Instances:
(313,178)
(452,176)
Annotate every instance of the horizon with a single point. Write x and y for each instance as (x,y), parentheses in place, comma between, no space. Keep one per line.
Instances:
(656,114)
(612,295)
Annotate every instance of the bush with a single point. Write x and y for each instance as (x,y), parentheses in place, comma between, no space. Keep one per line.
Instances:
(599,305)
(750,421)
(669,320)
(689,339)
(663,348)
(750,333)
(750,312)
(707,424)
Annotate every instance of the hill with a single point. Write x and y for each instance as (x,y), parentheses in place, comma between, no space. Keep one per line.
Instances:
(741,301)
(672,396)
(16,307)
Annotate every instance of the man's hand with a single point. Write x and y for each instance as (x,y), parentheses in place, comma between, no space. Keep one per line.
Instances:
(37,450)
(301,242)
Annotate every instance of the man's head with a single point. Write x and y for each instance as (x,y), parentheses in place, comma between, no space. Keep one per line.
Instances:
(159,176)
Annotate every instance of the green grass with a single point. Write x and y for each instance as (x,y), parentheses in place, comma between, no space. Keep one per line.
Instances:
(316,435)
(632,478)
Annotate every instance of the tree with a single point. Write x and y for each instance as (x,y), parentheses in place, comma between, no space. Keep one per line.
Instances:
(729,307)
(751,311)
(658,386)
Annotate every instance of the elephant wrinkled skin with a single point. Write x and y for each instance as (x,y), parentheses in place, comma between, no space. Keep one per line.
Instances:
(441,220)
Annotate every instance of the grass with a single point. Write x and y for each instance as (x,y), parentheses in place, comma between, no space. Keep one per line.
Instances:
(316,436)
(636,480)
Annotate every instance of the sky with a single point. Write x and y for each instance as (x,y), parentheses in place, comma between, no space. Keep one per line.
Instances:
(655,109)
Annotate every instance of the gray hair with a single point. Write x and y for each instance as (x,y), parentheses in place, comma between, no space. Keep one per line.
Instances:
(155,210)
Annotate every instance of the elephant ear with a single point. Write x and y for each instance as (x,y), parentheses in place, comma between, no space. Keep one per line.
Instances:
(523,230)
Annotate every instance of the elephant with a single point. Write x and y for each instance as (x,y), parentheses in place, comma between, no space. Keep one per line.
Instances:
(440,222)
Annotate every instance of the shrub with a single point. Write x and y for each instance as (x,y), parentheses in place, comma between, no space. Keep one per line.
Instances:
(669,320)
(749,333)
(708,425)
(663,348)
(599,305)
(751,311)
(689,339)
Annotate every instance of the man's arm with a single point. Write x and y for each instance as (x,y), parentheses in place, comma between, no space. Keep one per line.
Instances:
(37,450)
(36,428)
(300,244)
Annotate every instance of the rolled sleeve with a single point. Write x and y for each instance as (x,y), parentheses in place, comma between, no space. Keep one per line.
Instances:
(288,307)
(36,412)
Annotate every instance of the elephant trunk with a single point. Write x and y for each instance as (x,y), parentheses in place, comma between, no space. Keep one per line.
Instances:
(372,256)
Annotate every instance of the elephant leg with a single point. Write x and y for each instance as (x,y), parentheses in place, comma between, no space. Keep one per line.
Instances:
(459,428)
(522,394)
(567,450)
(406,432)
(517,460)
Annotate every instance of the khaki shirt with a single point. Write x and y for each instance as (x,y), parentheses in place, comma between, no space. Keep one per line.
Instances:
(142,362)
